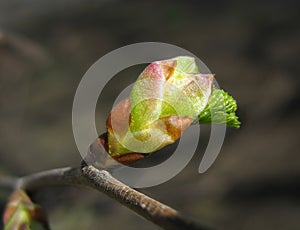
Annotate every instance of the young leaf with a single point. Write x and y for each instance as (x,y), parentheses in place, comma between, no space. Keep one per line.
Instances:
(220,109)
(22,214)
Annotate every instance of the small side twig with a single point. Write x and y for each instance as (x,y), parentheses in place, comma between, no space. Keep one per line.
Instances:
(7,182)
(101,180)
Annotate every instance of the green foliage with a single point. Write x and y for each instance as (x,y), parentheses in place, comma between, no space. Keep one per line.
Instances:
(221,109)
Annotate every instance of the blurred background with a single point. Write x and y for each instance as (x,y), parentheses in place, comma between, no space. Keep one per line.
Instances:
(253,48)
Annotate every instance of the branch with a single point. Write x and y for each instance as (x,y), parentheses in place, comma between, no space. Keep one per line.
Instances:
(101,180)
(7,182)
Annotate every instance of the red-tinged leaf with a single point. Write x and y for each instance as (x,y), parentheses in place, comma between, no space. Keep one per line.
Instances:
(22,214)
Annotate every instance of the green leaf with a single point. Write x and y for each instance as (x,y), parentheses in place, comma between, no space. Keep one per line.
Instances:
(221,109)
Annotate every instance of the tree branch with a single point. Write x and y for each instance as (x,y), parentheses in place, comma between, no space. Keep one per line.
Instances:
(101,180)
(7,182)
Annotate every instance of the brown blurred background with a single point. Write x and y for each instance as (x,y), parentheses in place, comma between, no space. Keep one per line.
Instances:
(253,48)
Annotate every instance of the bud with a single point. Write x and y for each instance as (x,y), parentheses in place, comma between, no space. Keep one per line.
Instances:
(166,98)
(22,213)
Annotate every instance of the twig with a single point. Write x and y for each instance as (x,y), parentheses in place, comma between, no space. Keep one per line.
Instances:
(101,180)
(60,176)
(7,182)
